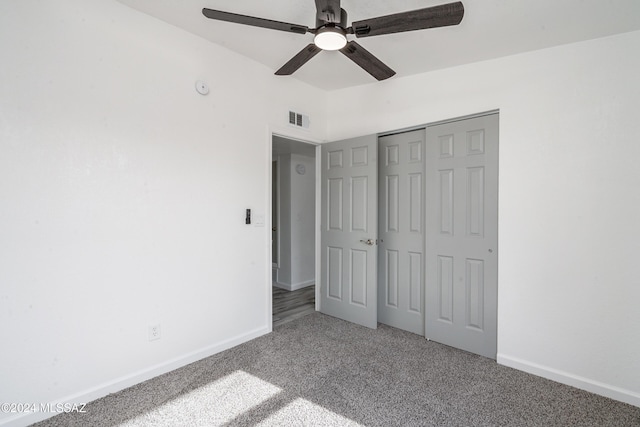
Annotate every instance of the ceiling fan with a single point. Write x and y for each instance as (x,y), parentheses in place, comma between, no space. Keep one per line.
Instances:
(331,31)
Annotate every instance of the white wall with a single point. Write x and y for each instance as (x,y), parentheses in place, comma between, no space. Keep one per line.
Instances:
(122,197)
(296,265)
(569,228)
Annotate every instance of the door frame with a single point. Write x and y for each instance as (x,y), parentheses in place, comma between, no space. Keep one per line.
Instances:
(294,136)
(277,213)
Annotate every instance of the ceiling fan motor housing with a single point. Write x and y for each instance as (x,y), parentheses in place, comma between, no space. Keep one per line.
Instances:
(330,19)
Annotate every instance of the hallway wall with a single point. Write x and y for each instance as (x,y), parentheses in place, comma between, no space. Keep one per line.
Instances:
(297,222)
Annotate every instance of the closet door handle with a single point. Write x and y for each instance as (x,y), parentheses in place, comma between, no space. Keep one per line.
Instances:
(369,242)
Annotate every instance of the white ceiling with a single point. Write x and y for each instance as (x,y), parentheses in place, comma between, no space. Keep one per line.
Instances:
(490,29)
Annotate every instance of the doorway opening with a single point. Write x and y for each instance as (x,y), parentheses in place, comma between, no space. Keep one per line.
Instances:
(293,229)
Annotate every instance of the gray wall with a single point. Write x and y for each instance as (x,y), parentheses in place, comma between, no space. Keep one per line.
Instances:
(296,267)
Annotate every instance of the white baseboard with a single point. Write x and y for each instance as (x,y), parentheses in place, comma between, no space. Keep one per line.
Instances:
(294,286)
(606,390)
(22,420)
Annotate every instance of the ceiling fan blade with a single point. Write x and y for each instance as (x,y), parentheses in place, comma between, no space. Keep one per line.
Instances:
(431,17)
(254,22)
(299,60)
(328,10)
(367,61)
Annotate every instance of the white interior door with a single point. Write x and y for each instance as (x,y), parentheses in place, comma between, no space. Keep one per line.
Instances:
(401,231)
(462,234)
(348,272)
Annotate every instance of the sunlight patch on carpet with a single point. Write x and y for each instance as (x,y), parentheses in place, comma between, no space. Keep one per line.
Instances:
(301,412)
(215,403)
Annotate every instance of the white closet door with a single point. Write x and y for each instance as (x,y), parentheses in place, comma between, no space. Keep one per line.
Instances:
(401,231)
(462,234)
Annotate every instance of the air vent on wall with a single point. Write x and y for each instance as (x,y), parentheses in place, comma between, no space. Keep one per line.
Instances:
(298,120)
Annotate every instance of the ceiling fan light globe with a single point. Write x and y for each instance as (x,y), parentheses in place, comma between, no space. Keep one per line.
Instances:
(330,39)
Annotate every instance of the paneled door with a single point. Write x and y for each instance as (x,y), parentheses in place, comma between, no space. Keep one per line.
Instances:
(348,286)
(462,234)
(401,231)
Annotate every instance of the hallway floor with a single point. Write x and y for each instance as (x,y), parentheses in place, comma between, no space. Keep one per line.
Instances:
(291,305)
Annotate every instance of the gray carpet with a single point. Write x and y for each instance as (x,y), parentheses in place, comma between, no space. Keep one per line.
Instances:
(321,371)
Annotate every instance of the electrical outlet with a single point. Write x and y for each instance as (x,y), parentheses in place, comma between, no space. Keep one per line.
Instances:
(154,332)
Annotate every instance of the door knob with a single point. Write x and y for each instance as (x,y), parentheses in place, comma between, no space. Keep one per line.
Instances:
(369,242)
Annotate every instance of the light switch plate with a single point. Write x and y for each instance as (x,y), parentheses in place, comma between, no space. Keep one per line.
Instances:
(258,220)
